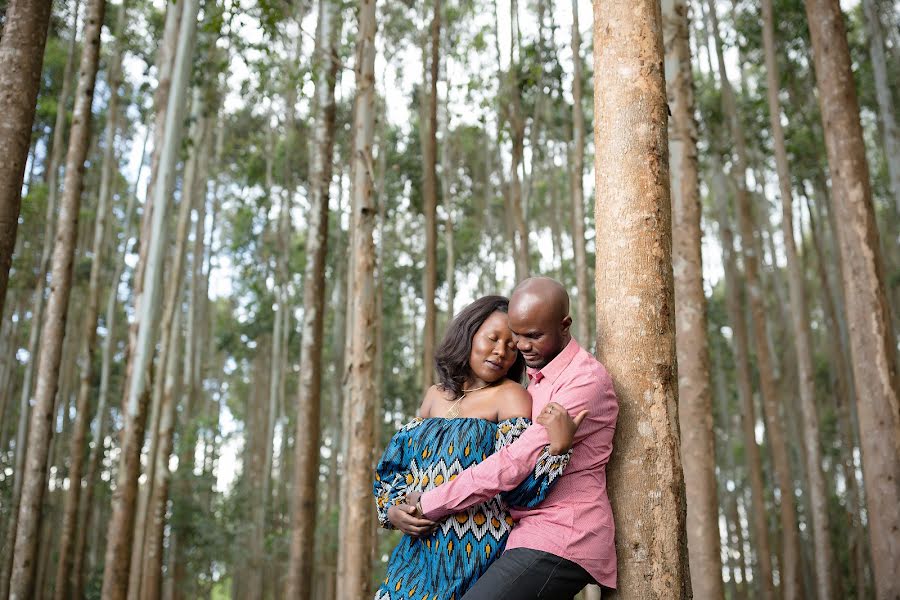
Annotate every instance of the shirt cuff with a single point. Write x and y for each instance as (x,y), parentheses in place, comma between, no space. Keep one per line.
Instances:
(430,508)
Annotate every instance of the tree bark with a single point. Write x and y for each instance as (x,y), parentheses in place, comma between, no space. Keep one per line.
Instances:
(21,57)
(800,324)
(120,533)
(872,341)
(355,551)
(790,568)
(694,392)
(88,337)
(52,336)
(636,338)
(307,440)
(582,300)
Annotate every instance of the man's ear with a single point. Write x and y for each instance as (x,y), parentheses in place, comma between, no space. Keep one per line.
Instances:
(566,323)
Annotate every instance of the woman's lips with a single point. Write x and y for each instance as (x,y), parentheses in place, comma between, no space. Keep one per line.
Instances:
(493,365)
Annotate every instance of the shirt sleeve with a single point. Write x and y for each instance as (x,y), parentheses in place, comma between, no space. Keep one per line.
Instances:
(505,470)
(392,475)
(537,484)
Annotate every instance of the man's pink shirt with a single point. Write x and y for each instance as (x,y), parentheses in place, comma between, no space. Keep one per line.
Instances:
(575,520)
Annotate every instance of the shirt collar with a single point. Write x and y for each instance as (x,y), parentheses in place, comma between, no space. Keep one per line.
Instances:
(553,369)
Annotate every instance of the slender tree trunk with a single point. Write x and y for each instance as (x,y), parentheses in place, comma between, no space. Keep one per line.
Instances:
(694,393)
(841,389)
(872,340)
(790,568)
(193,188)
(889,133)
(159,496)
(89,334)
(120,533)
(429,199)
(741,351)
(583,321)
(800,325)
(355,550)
(99,435)
(633,260)
(21,57)
(40,431)
(307,438)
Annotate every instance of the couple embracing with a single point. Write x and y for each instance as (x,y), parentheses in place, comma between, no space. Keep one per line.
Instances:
(501,490)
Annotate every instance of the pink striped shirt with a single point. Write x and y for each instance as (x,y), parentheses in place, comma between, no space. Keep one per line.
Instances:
(575,520)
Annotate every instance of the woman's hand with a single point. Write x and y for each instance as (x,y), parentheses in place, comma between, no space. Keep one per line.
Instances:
(560,426)
(403,517)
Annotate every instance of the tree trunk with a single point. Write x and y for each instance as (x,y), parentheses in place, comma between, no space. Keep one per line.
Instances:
(633,261)
(429,200)
(21,57)
(307,439)
(88,338)
(872,341)
(694,393)
(355,551)
(583,320)
(120,534)
(790,568)
(886,105)
(741,352)
(800,324)
(193,191)
(40,430)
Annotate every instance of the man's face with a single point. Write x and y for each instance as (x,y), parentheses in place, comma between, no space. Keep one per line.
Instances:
(539,334)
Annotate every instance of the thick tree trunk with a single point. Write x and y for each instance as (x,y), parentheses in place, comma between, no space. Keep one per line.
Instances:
(307,440)
(790,568)
(88,337)
(872,340)
(355,551)
(582,299)
(636,339)
(120,533)
(21,57)
(800,324)
(890,135)
(40,431)
(51,174)
(741,352)
(694,392)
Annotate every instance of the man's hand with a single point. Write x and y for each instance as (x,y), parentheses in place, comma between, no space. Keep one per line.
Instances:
(403,517)
(560,426)
(412,499)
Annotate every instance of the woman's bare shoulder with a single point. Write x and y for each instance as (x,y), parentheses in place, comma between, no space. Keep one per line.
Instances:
(434,393)
(512,401)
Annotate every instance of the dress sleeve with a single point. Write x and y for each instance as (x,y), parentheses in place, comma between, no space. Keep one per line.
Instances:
(392,474)
(538,483)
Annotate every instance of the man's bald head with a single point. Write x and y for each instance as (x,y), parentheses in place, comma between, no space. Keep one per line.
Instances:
(543,293)
(539,318)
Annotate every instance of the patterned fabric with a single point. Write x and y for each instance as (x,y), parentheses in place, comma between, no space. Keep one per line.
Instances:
(421,456)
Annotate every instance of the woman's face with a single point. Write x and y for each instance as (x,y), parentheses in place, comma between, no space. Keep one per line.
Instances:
(493,349)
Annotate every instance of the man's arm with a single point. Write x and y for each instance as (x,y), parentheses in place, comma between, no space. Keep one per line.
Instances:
(506,469)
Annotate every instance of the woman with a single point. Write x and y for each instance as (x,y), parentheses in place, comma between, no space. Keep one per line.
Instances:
(476,408)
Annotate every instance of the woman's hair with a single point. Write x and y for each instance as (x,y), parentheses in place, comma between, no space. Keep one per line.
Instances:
(451,359)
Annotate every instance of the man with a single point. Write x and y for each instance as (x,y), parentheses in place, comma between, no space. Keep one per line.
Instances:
(567,542)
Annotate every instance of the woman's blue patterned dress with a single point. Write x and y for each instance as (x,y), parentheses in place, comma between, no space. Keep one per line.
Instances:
(420,457)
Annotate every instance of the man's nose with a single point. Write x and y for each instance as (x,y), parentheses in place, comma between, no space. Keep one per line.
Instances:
(522,344)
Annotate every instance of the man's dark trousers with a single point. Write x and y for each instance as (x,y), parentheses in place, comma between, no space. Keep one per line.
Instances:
(526,574)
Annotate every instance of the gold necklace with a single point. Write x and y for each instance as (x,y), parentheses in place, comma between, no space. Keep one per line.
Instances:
(453,412)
